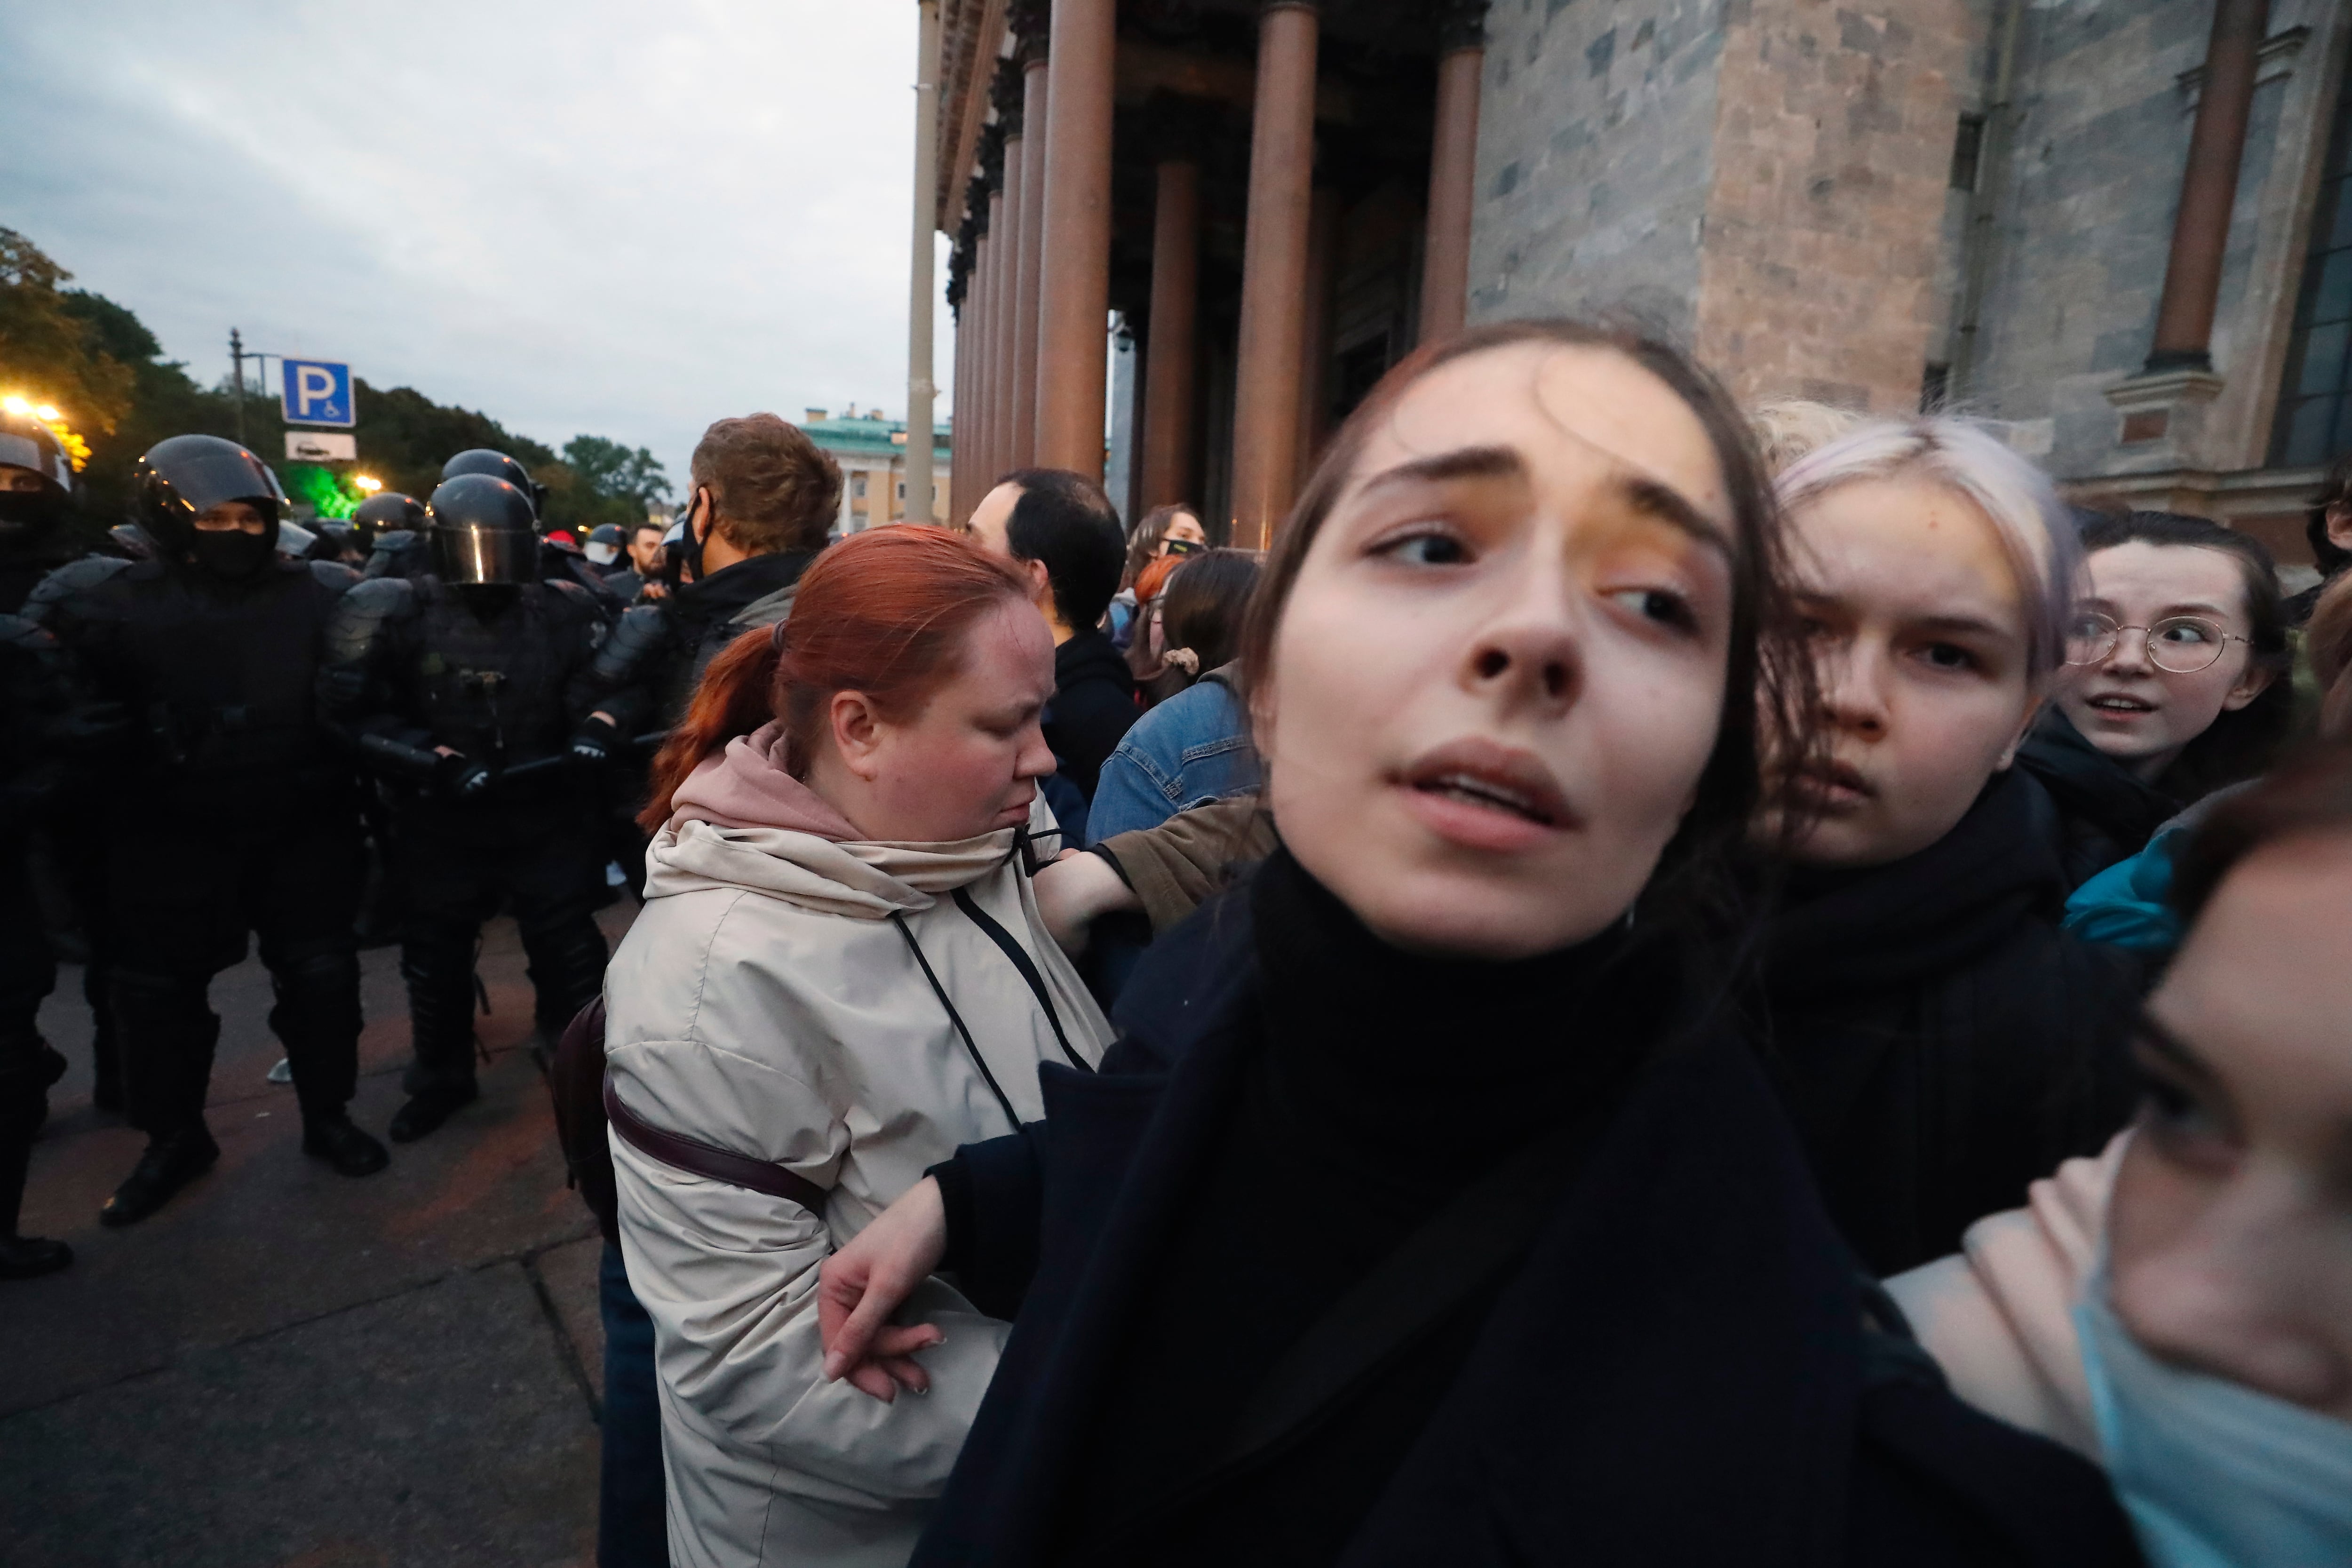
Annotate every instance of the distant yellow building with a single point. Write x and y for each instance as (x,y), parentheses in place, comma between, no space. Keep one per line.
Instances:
(872,452)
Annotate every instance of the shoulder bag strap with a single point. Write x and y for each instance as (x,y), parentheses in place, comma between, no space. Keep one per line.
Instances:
(704,1160)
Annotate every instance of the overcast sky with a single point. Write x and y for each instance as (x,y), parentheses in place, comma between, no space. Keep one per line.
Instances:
(619,219)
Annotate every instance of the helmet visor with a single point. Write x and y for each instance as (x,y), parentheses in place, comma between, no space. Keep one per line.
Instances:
(217,474)
(469,554)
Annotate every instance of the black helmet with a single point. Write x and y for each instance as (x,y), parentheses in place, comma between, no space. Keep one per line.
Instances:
(480,530)
(497,465)
(181,479)
(26,443)
(382,513)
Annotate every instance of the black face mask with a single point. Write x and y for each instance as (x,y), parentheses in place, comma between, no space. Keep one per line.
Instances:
(230,553)
(27,511)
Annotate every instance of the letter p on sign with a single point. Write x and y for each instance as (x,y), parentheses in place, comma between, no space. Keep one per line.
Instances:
(316,392)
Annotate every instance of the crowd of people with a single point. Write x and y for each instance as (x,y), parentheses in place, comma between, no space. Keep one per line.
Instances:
(1655,983)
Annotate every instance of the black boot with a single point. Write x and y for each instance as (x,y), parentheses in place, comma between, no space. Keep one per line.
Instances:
(30,1257)
(428,1110)
(350,1152)
(169,1164)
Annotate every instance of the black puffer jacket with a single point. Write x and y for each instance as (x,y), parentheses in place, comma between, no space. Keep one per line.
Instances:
(2105,814)
(1938,1041)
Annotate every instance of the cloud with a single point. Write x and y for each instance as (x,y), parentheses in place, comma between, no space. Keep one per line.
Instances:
(598,218)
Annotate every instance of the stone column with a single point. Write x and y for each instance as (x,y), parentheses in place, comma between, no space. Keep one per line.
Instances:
(1025,391)
(1008,309)
(1171,348)
(2209,189)
(1314,310)
(923,271)
(983,412)
(1074,302)
(1452,174)
(1274,272)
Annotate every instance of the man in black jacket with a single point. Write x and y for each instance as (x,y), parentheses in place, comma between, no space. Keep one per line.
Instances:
(1061,530)
(188,687)
(763,496)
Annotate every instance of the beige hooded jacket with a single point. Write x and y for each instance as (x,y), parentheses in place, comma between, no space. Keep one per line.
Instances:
(768,1001)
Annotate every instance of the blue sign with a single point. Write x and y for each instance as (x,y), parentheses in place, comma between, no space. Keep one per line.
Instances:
(315,392)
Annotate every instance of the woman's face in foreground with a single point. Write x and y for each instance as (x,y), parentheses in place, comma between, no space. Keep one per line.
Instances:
(1500,671)
(2230,1232)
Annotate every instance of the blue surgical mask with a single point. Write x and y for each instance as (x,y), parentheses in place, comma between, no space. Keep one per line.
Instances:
(2213,1474)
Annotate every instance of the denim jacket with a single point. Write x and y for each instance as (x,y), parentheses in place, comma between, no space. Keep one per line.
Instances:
(1193,749)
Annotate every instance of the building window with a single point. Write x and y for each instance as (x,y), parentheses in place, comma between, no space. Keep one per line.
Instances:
(1968,151)
(858,486)
(2314,415)
(902,489)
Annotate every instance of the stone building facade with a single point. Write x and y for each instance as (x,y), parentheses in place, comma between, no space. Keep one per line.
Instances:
(1997,205)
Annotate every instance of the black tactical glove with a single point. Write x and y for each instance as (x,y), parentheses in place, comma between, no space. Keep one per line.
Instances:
(594,741)
(344,686)
(462,778)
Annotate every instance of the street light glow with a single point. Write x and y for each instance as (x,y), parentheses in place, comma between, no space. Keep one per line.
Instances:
(15,404)
(367,484)
(45,412)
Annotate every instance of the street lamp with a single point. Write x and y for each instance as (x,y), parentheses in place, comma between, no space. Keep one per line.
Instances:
(367,484)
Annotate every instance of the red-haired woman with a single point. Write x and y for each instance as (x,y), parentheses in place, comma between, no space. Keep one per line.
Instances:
(840,971)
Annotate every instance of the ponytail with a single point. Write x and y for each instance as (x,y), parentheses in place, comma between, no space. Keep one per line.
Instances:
(886,612)
(734,698)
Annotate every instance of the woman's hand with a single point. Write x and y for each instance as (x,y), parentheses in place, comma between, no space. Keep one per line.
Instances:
(860,1286)
(1072,891)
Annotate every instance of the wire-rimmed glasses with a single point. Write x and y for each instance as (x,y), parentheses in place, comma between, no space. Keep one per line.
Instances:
(2180,643)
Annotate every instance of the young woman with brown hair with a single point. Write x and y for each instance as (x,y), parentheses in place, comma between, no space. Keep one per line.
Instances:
(1427,1209)
(839,975)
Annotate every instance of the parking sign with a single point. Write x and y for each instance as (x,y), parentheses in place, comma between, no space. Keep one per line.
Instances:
(316,392)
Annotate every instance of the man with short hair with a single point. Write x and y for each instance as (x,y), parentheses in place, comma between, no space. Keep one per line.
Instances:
(1062,531)
(762,496)
(645,557)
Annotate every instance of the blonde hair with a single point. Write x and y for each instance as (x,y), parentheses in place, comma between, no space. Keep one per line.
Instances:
(2036,531)
(1789,428)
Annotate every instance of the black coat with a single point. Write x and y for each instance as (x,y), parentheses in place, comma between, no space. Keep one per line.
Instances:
(2104,813)
(1940,1042)
(1093,707)
(1677,1372)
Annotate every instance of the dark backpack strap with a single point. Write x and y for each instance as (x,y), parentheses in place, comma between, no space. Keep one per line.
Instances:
(703,1160)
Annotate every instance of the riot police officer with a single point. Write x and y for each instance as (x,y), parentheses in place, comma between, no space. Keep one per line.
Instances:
(390,528)
(559,559)
(28,970)
(36,502)
(466,686)
(191,677)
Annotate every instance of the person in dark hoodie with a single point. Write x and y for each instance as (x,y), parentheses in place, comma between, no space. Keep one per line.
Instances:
(1425,1212)
(1940,1042)
(1062,531)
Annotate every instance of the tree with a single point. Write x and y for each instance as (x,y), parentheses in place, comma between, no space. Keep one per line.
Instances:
(45,352)
(602,481)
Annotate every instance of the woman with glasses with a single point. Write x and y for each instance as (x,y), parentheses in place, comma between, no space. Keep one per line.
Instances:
(2172,688)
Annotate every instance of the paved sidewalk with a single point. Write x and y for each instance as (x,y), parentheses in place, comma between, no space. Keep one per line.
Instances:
(286,1367)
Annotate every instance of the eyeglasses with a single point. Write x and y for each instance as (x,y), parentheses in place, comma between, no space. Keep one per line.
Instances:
(2180,643)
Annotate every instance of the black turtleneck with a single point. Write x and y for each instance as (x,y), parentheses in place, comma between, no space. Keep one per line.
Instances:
(1938,1041)
(1379,1083)
(2106,812)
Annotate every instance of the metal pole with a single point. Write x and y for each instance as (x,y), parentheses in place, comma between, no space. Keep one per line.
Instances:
(237,378)
(921,286)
